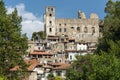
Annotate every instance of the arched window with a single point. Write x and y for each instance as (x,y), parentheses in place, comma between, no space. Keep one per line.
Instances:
(85,29)
(51,9)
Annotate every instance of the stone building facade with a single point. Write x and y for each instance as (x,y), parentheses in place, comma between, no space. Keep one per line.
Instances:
(79,29)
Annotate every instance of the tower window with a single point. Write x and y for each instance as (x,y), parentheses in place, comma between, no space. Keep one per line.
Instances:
(85,29)
(51,9)
(50,29)
(60,29)
(50,15)
(48,9)
(50,22)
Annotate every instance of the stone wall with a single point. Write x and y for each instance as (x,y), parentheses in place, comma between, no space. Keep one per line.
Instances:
(76,28)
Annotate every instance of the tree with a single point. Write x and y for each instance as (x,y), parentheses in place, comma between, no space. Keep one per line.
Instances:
(95,67)
(50,76)
(13,44)
(111,29)
(38,35)
(105,63)
(57,78)
(3,78)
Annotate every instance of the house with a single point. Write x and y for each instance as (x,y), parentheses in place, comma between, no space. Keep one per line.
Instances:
(42,56)
(32,68)
(59,69)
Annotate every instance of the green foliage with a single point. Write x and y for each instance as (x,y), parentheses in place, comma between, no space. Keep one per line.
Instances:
(13,44)
(2,8)
(95,67)
(111,29)
(57,78)
(3,78)
(105,63)
(50,76)
(38,35)
(79,68)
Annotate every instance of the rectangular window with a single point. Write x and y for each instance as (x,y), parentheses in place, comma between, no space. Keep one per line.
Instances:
(60,30)
(50,29)
(70,57)
(64,29)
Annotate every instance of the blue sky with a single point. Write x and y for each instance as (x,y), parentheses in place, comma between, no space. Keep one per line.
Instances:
(32,10)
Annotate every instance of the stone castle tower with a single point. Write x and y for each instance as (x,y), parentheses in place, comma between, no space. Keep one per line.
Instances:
(79,29)
(49,21)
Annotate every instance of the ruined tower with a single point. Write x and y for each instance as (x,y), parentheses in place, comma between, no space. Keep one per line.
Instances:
(78,29)
(81,15)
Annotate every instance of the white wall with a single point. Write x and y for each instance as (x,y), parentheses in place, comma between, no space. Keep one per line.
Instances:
(33,76)
(81,46)
(72,54)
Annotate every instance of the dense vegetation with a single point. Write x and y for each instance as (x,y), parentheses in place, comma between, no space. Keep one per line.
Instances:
(52,77)
(105,63)
(38,35)
(13,44)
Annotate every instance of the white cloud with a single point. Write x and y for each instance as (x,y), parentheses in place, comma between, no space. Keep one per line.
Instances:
(30,22)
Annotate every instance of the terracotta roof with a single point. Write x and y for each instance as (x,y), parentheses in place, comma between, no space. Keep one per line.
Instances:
(62,67)
(15,68)
(54,64)
(41,53)
(32,64)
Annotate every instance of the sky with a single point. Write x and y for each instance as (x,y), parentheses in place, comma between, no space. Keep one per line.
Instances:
(32,11)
